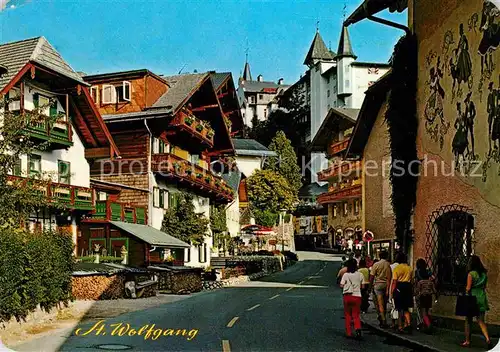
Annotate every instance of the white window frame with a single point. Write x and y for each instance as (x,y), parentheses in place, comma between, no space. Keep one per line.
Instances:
(156,145)
(112,97)
(126,84)
(165,198)
(96,94)
(156,197)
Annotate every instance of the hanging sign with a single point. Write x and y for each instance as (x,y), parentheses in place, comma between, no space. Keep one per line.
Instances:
(368,236)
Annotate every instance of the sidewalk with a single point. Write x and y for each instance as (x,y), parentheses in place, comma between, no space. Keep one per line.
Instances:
(441,340)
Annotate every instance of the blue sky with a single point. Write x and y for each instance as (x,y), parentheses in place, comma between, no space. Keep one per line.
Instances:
(97,36)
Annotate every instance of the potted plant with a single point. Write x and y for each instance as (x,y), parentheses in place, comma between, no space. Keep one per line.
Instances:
(169,260)
(188,120)
(210,133)
(199,176)
(199,127)
(208,179)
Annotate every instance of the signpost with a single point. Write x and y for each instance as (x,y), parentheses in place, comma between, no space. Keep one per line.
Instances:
(368,237)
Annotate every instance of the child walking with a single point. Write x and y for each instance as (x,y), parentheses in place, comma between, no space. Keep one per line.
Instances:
(352,283)
(425,289)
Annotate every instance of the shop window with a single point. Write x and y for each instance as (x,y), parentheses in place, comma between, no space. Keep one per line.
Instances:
(450,243)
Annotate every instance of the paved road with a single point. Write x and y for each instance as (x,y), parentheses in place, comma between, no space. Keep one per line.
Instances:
(296,310)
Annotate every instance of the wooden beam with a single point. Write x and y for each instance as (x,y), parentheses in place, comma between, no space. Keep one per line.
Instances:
(21,102)
(222,95)
(16,78)
(81,120)
(205,107)
(32,70)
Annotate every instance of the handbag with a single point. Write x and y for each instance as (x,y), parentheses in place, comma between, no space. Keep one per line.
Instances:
(467,306)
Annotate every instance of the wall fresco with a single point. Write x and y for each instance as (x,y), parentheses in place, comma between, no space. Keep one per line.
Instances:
(461,90)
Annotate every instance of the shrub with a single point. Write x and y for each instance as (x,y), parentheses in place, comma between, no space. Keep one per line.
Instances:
(35,269)
(102,259)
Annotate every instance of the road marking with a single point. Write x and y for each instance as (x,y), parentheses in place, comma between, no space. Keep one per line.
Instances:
(226,347)
(252,308)
(231,323)
(273,297)
(320,270)
(289,289)
(300,283)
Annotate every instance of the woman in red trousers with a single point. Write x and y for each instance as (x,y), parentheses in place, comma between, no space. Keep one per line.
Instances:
(352,283)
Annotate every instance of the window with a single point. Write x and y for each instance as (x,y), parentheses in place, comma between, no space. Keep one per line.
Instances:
(347,68)
(202,253)
(328,93)
(102,196)
(17,169)
(328,80)
(347,83)
(450,238)
(195,159)
(43,103)
(261,96)
(188,254)
(357,206)
(335,210)
(156,197)
(160,147)
(127,91)
(346,208)
(108,94)
(64,172)
(265,113)
(94,93)
(53,108)
(35,164)
(252,99)
(173,200)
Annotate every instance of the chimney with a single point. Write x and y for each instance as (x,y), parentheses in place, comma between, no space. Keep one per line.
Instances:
(260,78)
(280,81)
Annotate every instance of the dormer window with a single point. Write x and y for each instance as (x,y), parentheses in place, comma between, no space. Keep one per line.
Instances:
(94,93)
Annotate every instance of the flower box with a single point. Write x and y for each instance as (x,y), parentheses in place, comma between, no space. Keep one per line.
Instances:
(210,133)
(199,127)
(208,179)
(188,120)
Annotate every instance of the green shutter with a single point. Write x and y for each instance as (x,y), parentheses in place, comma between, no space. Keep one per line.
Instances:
(53,109)
(17,167)
(35,100)
(161,198)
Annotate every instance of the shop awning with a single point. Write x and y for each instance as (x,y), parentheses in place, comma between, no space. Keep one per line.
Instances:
(150,235)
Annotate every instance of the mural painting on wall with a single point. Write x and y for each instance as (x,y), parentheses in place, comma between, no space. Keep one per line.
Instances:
(466,53)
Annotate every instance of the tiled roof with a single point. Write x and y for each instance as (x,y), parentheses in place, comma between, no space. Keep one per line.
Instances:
(337,119)
(218,78)
(14,56)
(251,147)
(256,86)
(232,179)
(318,50)
(181,88)
(160,112)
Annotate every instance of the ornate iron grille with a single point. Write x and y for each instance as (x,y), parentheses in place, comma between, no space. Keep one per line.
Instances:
(449,244)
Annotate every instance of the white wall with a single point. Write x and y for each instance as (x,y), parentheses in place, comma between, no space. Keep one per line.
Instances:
(248,164)
(75,155)
(361,80)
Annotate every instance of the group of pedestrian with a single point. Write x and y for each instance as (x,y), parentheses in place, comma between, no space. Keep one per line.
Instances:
(396,283)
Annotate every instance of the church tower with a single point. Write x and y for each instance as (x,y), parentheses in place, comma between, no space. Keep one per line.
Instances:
(345,57)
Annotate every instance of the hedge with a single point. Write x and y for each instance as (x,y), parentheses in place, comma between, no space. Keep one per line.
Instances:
(102,259)
(35,270)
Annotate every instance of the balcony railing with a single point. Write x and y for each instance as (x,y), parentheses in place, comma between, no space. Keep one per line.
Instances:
(58,133)
(341,194)
(338,147)
(73,197)
(107,210)
(343,168)
(186,121)
(174,166)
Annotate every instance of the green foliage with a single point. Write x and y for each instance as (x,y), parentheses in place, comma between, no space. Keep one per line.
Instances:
(286,161)
(102,259)
(218,224)
(268,190)
(35,269)
(402,123)
(265,217)
(184,223)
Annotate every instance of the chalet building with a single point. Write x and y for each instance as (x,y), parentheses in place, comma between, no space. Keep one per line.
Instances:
(227,94)
(343,198)
(457,139)
(369,144)
(337,80)
(257,97)
(169,131)
(34,75)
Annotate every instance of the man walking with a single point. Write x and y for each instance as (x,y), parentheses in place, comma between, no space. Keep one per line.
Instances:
(380,278)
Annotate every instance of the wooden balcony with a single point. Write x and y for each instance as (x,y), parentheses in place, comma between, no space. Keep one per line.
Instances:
(191,175)
(337,148)
(73,197)
(343,168)
(186,126)
(58,133)
(106,210)
(341,194)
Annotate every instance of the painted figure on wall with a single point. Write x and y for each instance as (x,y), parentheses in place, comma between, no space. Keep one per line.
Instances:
(469,117)
(461,64)
(460,141)
(491,108)
(491,36)
(495,132)
(434,114)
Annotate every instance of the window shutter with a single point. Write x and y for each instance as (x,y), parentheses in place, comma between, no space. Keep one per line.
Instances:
(17,167)
(165,199)
(161,197)
(161,146)
(36,100)
(53,109)
(156,197)
(200,248)
(127,90)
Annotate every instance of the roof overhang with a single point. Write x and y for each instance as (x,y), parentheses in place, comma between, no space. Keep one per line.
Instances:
(335,118)
(375,96)
(150,235)
(371,7)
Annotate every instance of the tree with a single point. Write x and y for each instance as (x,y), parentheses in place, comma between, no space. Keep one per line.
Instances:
(266,217)
(218,224)
(184,223)
(269,190)
(286,161)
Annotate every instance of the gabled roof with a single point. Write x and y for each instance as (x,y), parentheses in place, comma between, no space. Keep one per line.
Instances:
(371,7)
(218,78)
(122,75)
(318,50)
(250,147)
(374,98)
(14,56)
(345,46)
(181,89)
(337,119)
(150,235)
